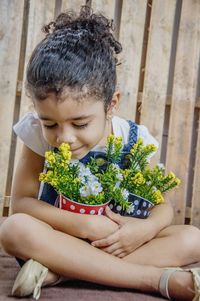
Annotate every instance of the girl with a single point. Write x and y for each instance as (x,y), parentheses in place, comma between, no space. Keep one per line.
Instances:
(71,78)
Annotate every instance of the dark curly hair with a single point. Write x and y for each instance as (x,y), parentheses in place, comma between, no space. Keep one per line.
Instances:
(78,53)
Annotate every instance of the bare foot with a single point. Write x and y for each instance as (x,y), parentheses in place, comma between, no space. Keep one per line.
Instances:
(181,286)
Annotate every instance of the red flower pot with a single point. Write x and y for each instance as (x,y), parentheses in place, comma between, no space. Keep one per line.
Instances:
(69,205)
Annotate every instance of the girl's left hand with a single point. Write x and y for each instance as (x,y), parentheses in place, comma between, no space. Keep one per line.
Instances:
(132,234)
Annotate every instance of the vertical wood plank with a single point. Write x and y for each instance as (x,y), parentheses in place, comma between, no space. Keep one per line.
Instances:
(106,7)
(40,13)
(157,68)
(195,212)
(183,103)
(11,17)
(74,5)
(131,36)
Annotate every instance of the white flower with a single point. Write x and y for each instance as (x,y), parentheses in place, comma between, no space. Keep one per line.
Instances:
(161,166)
(130,209)
(74,163)
(115,166)
(85,191)
(119,176)
(117,185)
(125,194)
(95,188)
(84,172)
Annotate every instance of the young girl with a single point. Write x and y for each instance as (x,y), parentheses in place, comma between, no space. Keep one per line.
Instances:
(71,78)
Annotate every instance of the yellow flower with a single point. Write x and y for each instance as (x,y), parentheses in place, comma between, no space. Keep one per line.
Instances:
(158,197)
(118,141)
(42,177)
(125,172)
(150,147)
(171,175)
(138,179)
(136,146)
(111,138)
(50,157)
(54,182)
(64,148)
(177,181)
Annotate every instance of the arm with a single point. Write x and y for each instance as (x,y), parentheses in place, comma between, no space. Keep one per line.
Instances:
(134,232)
(24,200)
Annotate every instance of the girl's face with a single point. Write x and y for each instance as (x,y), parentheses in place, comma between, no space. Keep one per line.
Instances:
(82,124)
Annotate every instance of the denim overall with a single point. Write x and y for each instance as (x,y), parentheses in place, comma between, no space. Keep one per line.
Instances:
(49,195)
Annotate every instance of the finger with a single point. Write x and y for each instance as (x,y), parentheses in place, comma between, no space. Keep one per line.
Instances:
(123,254)
(112,248)
(117,252)
(105,242)
(116,217)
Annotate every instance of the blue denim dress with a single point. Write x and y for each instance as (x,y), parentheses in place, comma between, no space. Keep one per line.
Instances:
(49,195)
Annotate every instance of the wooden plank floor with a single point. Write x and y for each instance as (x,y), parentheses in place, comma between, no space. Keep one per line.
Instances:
(70,291)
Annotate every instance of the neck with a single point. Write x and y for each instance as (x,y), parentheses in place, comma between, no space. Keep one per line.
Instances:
(107,132)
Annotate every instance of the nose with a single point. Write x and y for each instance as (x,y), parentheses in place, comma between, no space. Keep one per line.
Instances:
(65,135)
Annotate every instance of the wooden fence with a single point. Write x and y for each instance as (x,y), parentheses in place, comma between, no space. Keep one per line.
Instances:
(159,80)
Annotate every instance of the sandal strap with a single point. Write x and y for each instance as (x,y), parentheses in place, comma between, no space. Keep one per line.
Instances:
(37,289)
(164,279)
(196,279)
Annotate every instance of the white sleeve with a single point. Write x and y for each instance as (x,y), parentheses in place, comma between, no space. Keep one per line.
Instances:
(147,138)
(29,130)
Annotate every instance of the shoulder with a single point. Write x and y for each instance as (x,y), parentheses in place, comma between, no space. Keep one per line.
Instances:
(121,127)
(146,136)
(29,130)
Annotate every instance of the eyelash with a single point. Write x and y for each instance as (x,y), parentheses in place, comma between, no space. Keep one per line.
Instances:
(81,126)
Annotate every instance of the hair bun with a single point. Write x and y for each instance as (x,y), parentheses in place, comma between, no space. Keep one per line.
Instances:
(86,24)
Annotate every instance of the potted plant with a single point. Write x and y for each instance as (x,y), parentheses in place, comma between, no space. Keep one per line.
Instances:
(146,186)
(123,180)
(81,188)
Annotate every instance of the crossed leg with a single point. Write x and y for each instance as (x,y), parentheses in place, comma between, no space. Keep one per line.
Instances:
(176,245)
(74,258)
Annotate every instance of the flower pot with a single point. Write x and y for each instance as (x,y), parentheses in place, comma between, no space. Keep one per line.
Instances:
(70,205)
(139,207)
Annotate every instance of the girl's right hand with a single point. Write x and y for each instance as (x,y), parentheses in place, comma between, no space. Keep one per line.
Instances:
(100,226)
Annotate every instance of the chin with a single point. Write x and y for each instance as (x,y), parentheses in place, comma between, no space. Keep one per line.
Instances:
(79,156)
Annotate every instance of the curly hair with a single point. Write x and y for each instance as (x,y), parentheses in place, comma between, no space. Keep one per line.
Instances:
(77,53)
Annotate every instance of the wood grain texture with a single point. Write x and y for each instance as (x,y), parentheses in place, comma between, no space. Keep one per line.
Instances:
(157,68)
(183,103)
(11,17)
(131,36)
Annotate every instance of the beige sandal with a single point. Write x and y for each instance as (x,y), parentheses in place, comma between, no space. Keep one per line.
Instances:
(163,285)
(29,280)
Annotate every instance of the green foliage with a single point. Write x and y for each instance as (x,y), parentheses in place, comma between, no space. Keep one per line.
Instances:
(102,180)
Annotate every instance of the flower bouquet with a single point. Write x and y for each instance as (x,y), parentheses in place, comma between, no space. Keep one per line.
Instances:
(123,180)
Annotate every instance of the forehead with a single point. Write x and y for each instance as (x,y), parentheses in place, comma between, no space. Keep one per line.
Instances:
(54,108)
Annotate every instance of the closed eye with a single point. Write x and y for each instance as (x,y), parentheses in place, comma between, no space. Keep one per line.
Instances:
(80,126)
(50,126)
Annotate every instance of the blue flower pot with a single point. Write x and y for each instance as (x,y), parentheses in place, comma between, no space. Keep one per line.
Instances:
(139,207)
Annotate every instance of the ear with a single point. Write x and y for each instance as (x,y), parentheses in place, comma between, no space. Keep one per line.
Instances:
(114,105)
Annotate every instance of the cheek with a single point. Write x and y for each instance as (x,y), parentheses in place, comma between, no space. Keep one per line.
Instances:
(95,135)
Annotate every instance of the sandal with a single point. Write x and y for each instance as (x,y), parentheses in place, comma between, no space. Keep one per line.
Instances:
(163,285)
(29,279)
